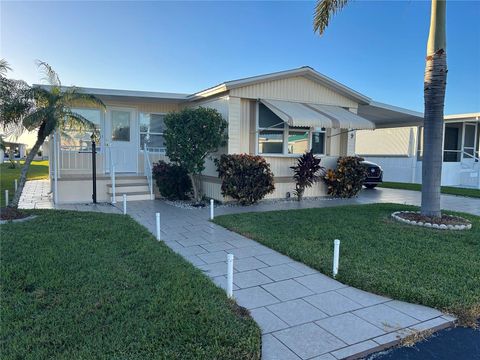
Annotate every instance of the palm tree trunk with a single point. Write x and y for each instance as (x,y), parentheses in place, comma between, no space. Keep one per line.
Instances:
(434,93)
(23,173)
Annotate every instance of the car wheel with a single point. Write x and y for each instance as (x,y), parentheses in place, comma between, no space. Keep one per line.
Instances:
(370,186)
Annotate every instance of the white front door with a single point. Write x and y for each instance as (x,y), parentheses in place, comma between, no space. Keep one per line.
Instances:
(121,128)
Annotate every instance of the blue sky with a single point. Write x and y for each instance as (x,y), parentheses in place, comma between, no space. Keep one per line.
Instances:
(375,47)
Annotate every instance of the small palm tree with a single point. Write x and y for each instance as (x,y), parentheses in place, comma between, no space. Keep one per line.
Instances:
(49,109)
(435,81)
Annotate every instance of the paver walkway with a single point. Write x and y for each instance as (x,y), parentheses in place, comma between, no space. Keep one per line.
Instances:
(303,314)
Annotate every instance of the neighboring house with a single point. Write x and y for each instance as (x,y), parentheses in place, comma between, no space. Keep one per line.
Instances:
(18,145)
(279,116)
(399,151)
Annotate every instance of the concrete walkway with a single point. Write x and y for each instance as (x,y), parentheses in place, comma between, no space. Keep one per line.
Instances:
(303,314)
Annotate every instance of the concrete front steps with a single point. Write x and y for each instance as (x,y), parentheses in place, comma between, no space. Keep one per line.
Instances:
(135,187)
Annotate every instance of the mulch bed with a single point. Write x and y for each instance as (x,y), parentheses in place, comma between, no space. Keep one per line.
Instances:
(8,213)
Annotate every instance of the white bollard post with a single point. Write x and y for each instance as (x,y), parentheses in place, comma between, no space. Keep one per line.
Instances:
(6,197)
(16,185)
(158,226)
(211,209)
(336,256)
(230,276)
(124,204)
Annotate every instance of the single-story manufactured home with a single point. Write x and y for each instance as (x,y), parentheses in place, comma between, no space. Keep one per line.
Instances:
(399,151)
(279,116)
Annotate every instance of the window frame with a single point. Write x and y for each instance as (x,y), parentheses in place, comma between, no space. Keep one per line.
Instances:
(285,131)
(161,151)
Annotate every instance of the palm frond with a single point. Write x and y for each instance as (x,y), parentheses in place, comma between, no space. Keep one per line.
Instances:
(4,67)
(324,11)
(76,121)
(50,75)
(36,118)
(74,97)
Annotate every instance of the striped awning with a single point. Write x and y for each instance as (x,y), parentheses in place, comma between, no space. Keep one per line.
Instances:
(316,115)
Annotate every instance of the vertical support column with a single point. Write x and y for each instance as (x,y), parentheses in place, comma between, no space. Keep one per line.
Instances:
(6,197)
(124,204)
(211,209)
(55,167)
(114,195)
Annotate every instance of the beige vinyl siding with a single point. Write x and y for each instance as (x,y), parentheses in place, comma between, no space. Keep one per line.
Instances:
(384,141)
(296,88)
(234,125)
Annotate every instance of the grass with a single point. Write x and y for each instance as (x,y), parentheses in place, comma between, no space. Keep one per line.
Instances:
(431,267)
(475,193)
(38,170)
(96,286)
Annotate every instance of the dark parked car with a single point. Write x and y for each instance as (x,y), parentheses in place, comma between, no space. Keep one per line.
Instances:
(374,174)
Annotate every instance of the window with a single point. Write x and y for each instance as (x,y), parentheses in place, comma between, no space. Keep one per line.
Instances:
(298,141)
(152,127)
(78,139)
(120,125)
(318,142)
(276,137)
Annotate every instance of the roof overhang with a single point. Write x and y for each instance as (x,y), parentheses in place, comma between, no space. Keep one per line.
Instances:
(128,95)
(388,116)
(316,115)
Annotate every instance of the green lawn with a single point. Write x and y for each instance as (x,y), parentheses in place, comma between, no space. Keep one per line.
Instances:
(38,170)
(431,267)
(96,286)
(444,189)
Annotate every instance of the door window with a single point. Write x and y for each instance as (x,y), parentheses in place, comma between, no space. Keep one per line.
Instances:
(120,125)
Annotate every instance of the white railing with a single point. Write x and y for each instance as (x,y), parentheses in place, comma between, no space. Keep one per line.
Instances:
(112,176)
(147,169)
(72,158)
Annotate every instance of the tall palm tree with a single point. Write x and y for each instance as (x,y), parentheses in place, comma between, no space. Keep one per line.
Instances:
(51,109)
(435,81)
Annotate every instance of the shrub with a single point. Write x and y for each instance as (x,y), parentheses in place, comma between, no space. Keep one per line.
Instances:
(347,179)
(246,178)
(190,136)
(306,172)
(172,180)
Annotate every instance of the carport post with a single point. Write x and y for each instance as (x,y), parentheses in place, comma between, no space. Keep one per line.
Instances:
(211,209)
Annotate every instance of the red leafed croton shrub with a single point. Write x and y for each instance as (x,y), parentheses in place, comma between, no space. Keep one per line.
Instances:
(347,179)
(245,178)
